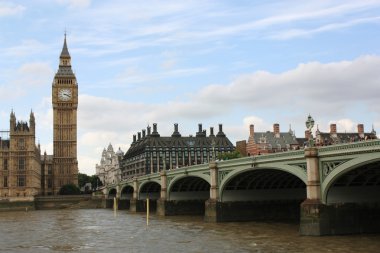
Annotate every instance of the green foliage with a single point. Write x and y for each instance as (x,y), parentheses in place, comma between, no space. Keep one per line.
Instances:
(69,189)
(95,181)
(230,155)
(83,179)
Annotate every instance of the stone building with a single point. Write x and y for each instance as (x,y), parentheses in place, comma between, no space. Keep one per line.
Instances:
(65,105)
(268,142)
(20,169)
(335,137)
(23,171)
(151,153)
(108,170)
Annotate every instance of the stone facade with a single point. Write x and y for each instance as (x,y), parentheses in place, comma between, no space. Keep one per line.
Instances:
(151,153)
(108,170)
(24,173)
(20,170)
(65,104)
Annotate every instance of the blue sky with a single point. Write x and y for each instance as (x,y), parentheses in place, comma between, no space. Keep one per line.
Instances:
(189,62)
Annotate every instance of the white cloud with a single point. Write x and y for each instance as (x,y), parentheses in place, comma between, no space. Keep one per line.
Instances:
(344,125)
(75,4)
(27,47)
(10,9)
(314,87)
(34,74)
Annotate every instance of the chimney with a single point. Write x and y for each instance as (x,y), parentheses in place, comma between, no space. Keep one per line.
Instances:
(332,128)
(148,130)
(276,130)
(220,133)
(176,133)
(138,136)
(134,139)
(212,132)
(251,130)
(143,133)
(361,130)
(155,133)
(200,133)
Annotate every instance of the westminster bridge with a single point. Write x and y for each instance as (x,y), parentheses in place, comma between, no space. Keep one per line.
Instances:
(330,190)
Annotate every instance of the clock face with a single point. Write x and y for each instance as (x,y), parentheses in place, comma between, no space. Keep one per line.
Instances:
(64,94)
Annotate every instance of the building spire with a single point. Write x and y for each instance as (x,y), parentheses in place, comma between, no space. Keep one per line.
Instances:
(65,51)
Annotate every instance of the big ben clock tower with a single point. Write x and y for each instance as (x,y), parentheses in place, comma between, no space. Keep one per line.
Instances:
(65,104)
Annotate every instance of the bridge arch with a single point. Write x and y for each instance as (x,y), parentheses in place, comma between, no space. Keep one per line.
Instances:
(127,192)
(189,188)
(151,189)
(272,182)
(112,193)
(357,180)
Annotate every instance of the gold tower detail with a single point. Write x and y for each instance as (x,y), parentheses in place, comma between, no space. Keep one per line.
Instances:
(65,104)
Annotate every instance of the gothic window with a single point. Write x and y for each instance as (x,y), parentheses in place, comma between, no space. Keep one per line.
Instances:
(5,164)
(20,181)
(50,169)
(21,163)
(50,183)
(5,181)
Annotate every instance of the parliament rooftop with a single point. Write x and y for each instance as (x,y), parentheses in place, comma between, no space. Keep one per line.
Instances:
(150,153)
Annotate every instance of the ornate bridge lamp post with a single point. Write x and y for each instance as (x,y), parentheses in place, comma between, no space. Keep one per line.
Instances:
(309,125)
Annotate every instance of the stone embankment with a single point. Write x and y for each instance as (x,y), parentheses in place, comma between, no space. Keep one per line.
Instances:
(52,202)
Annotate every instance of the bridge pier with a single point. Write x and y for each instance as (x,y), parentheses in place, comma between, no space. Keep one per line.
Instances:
(133,201)
(161,202)
(313,218)
(212,205)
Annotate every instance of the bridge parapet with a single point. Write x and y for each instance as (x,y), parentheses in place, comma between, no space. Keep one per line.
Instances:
(280,156)
(350,148)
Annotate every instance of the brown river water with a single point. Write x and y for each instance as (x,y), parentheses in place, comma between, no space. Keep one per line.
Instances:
(102,230)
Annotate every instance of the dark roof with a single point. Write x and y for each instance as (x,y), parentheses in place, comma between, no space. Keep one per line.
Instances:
(270,138)
(328,138)
(65,71)
(148,142)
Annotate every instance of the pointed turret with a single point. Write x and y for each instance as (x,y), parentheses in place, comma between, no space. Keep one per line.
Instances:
(65,52)
(64,69)
(12,121)
(32,121)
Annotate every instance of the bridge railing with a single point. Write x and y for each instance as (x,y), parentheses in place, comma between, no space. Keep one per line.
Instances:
(349,148)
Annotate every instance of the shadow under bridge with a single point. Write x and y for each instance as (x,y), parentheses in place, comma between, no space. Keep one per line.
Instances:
(262,194)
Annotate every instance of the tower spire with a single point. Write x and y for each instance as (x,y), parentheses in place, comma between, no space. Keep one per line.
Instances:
(65,51)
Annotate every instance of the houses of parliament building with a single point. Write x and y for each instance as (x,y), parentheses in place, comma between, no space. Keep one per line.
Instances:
(24,171)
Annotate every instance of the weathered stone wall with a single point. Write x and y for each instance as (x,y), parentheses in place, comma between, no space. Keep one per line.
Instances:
(6,205)
(182,207)
(124,204)
(338,219)
(280,210)
(72,202)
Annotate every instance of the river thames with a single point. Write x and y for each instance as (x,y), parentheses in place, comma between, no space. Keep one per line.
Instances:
(102,230)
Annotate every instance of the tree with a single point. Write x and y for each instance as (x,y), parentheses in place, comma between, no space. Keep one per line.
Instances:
(83,179)
(95,181)
(230,155)
(69,189)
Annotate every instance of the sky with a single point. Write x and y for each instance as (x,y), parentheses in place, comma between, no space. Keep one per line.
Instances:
(234,63)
